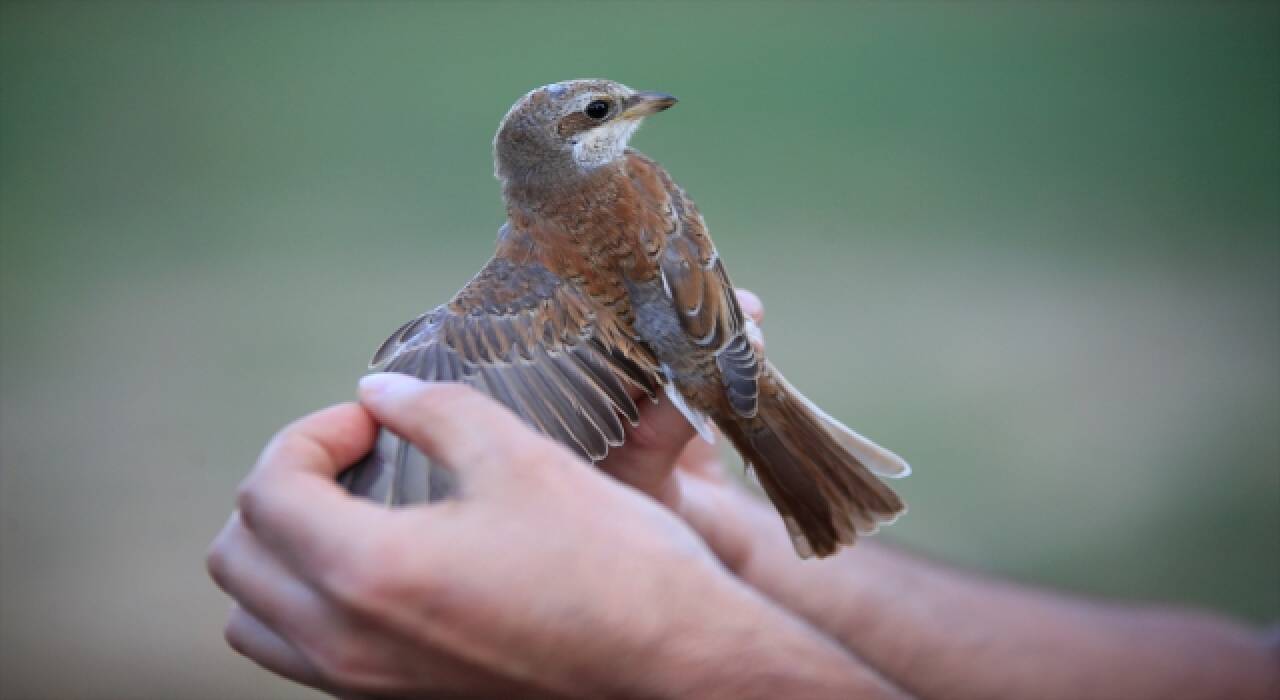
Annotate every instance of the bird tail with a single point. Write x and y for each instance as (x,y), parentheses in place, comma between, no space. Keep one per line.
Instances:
(819,474)
(396,473)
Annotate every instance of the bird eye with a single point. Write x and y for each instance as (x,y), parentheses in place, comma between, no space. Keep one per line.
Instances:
(598,109)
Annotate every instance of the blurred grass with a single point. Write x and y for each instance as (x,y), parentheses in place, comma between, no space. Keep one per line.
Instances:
(1033,247)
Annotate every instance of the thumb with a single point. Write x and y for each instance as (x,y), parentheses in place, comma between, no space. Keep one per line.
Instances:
(453,424)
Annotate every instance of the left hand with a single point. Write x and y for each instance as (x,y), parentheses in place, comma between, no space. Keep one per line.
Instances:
(544,578)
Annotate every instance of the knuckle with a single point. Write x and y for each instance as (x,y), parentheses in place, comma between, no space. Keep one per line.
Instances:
(217,564)
(278,441)
(454,395)
(453,391)
(342,660)
(349,586)
(542,450)
(386,581)
(372,585)
(751,304)
(219,558)
(541,461)
(249,501)
(438,401)
(460,399)
(231,633)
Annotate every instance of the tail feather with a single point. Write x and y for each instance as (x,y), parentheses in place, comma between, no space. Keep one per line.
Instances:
(880,461)
(818,473)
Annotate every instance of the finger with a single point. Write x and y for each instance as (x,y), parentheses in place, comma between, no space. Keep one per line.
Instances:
(755,336)
(751,304)
(261,583)
(253,639)
(323,443)
(702,458)
(455,425)
(291,502)
(754,309)
(648,456)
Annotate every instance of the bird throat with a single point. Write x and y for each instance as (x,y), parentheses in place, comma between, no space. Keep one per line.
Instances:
(552,191)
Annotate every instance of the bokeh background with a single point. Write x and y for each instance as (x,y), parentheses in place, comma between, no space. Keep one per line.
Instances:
(1032,247)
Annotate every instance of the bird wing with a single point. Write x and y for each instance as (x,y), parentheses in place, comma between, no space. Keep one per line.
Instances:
(535,343)
(705,301)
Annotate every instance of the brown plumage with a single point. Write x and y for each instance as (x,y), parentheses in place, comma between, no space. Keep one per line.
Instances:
(605,284)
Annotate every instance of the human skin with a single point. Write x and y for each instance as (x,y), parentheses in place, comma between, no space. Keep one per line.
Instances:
(936,631)
(545,578)
(518,590)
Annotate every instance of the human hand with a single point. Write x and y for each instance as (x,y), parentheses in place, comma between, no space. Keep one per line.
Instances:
(543,579)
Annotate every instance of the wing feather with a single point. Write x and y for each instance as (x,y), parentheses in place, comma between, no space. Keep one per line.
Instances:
(701,291)
(595,367)
(533,342)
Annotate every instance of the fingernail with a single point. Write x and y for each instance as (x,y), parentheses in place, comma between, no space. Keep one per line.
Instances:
(754,335)
(384,383)
(750,303)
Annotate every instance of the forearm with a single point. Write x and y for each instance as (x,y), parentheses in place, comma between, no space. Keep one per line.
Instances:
(938,632)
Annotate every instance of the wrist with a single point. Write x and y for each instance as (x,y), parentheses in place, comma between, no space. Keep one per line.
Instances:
(720,512)
(831,594)
(730,642)
(836,596)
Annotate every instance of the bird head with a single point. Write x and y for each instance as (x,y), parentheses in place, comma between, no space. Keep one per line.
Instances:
(563,130)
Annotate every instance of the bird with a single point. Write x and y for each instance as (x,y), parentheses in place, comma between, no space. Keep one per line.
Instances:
(605,285)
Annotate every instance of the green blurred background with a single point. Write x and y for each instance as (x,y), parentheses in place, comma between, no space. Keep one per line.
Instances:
(1034,248)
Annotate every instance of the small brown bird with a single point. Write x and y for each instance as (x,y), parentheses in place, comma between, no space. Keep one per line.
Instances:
(605,282)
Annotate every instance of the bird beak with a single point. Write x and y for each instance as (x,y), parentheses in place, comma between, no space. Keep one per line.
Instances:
(642,104)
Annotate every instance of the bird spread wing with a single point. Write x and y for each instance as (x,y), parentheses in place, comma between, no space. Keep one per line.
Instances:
(535,343)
